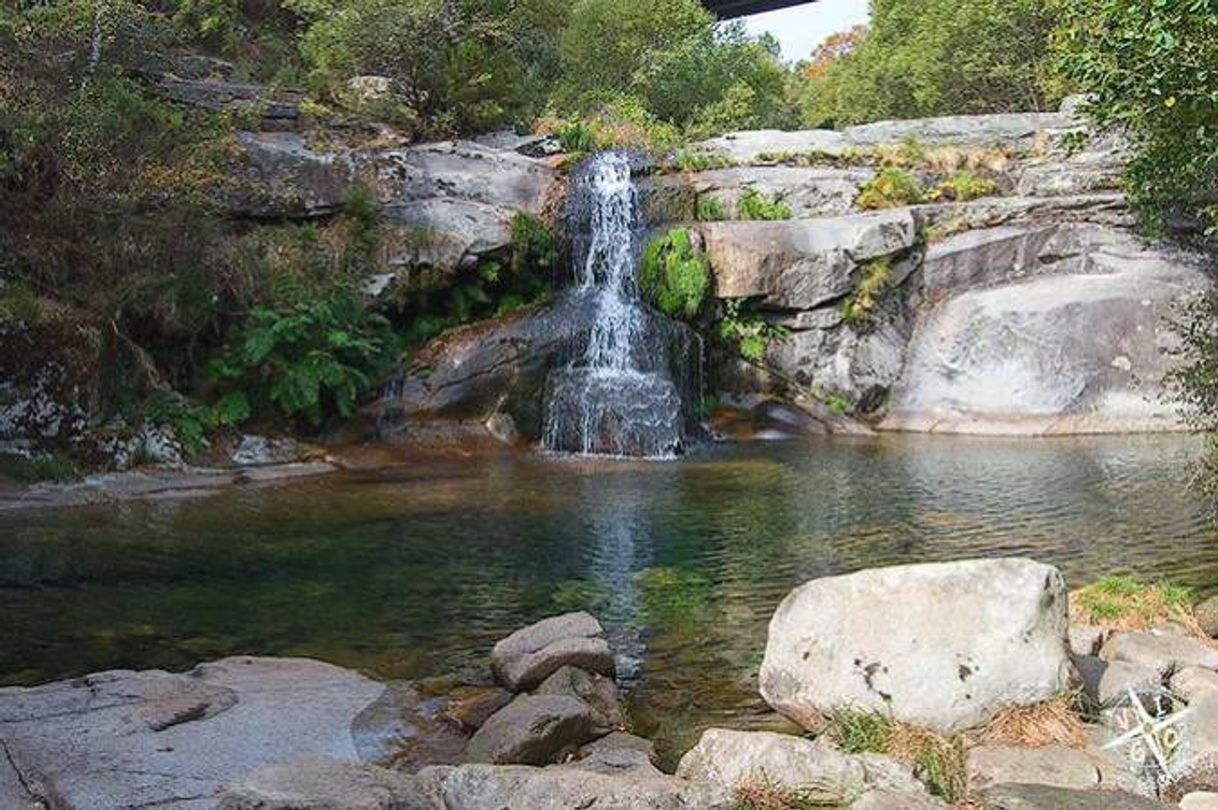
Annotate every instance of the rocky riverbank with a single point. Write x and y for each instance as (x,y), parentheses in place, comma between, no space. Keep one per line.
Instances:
(980,687)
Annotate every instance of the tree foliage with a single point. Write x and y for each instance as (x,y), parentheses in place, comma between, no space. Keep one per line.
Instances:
(1151,70)
(935,57)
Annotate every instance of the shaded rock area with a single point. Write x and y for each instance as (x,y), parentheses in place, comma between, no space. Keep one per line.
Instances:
(961,641)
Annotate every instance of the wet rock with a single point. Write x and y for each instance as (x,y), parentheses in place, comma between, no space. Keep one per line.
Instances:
(407,730)
(1054,765)
(471,706)
(737,758)
(1192,682)
(530,655)
(327,785)
(533,730)
(478,787)
(1106,682)
(801,264)
(599,692)
(1045,797)
(1206,613)
(132,739)
(960,642)
(1161,650)
(256,451)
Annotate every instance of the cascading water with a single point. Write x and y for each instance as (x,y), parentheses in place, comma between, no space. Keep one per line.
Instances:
(617,397)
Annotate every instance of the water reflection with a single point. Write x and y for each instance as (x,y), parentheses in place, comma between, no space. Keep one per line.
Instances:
(416,571)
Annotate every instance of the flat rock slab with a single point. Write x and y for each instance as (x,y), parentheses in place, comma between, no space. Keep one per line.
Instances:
(1164,650)
(1044,797)
(735,759)
(125,739)
(327,785)
(530,655)
(957,642)
(1054,765)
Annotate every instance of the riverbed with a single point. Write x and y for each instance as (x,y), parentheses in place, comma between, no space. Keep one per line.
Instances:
(415,570)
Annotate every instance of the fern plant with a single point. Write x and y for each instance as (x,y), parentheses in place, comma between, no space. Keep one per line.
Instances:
(748,333)
(675,276)
(307,360)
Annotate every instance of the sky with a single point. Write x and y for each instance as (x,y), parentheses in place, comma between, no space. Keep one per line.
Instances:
(802,28)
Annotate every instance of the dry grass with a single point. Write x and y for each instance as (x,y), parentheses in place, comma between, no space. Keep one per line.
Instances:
(1123,603)
(1053,722)
(760,793)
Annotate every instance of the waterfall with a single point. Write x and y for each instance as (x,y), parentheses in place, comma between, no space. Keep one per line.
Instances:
(618,396)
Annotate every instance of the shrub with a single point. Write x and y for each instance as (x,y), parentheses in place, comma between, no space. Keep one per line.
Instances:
(963,186)
(312,358)
(1152,72)
(755,205)
(674,275)
(891,188)
(746,332)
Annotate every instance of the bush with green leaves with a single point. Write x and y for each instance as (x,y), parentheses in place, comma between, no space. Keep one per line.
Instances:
(710,209)
(674,275)
(875,277)
(312,358)
(755,205)
(745,331)
(962,186)
(891,188)
(1151,69)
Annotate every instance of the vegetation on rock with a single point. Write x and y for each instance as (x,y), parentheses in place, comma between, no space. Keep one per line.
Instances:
(755,205)
(674,274)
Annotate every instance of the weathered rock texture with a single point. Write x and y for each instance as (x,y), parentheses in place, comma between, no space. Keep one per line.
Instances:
(126,739)
(942,645)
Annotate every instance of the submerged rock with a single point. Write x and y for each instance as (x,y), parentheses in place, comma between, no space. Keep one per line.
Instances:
(959,642)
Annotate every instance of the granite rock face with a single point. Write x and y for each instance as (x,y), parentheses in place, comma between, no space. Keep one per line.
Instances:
(960,642)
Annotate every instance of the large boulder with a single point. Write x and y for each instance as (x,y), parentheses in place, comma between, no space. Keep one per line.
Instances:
(801,264)
(942,645)
(737,759)
(140,739)
(531,654)
(1083,350)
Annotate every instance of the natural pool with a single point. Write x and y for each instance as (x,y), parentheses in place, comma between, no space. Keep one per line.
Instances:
(417,570)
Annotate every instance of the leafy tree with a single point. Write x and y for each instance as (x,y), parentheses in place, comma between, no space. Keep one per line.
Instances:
(1152,72)
(935,57)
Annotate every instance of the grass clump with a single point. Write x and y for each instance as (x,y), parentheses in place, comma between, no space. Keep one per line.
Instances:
(675,276)
(711,209)
(891,188)
(1129,604)
(762,793)
(1052,722)
(937,760)
(687,160)
(873,283)
(755,205)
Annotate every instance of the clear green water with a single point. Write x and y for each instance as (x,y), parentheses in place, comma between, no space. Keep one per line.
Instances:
(416,571)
